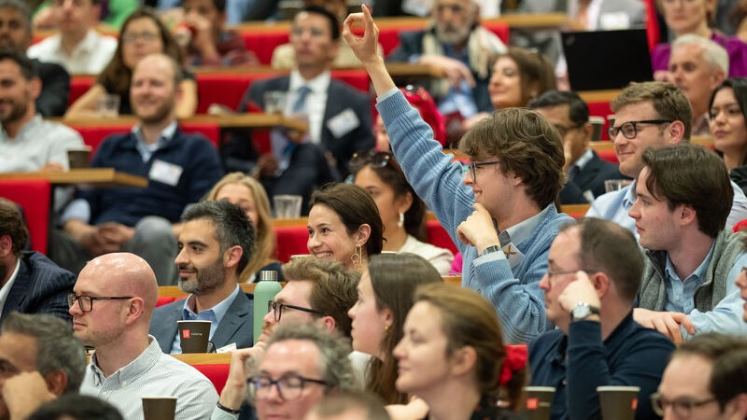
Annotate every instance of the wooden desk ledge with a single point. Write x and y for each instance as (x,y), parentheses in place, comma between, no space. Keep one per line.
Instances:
(205,358)
(100,177)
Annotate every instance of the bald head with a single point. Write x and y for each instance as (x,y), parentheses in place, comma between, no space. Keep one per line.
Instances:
(123,274)
(161,63)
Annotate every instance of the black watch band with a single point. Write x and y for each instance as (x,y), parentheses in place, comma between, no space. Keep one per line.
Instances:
(491,249)
(226,409)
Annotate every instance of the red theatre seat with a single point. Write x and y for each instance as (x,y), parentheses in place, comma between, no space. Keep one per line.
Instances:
(217,373)
(438,236)
(34,196)
(78,86)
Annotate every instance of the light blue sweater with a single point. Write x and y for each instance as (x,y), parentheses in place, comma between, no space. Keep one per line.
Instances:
(513,291)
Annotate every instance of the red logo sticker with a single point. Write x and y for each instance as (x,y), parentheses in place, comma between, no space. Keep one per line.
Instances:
(634,404)
(532,403)
(185,333)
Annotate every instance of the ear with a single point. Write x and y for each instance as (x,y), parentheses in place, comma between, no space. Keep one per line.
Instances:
(232,256)
(328,323)
(404,202)
(601,283)
(56,382)
(35,86)
(388,318)
(675,132)
(587,129)
(6,246)
(686,214)
(135,310)
(463,360)
(364,232)
(738,405)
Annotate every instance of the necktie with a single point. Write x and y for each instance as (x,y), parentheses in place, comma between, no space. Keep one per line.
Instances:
(573,173)
(299,106)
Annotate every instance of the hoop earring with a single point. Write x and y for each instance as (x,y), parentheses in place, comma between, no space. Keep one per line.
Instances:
(401,221)
(357,256)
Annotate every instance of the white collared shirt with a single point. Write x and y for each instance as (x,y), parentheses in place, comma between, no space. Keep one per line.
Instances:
(5,290)
(90,56)
(316,101)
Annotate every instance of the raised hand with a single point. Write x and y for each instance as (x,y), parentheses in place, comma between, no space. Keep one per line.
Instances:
(364,47)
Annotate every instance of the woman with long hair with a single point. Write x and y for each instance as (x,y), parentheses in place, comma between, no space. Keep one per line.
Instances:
(727,122)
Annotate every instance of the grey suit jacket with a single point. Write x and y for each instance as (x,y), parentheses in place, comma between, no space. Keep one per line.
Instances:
(235,327)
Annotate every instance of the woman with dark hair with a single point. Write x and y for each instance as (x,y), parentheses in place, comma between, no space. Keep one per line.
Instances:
(142,34)
(452,356)
(727,122)
(385,295)
(401,210)
(344,225)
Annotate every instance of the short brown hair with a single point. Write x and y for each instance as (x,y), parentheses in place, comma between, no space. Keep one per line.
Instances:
(526,145)
(667,99)
(691,175)
(334,291)
(13,225)
(536,72)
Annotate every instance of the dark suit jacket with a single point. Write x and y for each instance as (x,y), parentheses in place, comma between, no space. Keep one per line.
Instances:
(55,89)
(235,327)
(595,172)
(40,287)
(340,97)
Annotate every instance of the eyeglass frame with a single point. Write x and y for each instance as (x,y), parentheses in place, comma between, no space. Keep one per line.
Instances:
(374,158)
(72,298)
(550,274)
(613,131)
(147,36)
(254,389)
(473,166)
(276,315)
(659,404)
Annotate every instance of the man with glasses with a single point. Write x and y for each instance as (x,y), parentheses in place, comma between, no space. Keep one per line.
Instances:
(651,114)
(595,268)
(302,363)
(705,380)
(215,245)
(583,166)
(111,306)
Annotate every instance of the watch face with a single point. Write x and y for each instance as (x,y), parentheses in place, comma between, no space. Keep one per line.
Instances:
(581,311)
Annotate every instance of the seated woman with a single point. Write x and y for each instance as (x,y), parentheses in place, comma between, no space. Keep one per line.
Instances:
(247,193)
(385,294)
(344,225)
(401,210)
(142,34)
(727,122)
(452,355)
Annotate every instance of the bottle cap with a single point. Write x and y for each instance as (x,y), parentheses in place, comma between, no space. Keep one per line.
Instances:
(268,275)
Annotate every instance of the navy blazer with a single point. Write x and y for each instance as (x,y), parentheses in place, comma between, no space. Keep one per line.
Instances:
(595,172)
(40,287)
(340,97)
(235,327)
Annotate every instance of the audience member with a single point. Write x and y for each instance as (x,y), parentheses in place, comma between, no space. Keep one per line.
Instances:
(682,201)
(76,407)
(697,66)
(15,35)
(339,116)
(301,365)
(649,115)
(215,245)
(27,142)
(76,45)
(350,405)
(570,116)
(248,194)
(595,268)
(705,380)
(510,187)
(112,304)
(455,43)
(142,34)
(401,210)
(31,282)
(180,169)
(41,360)
(385,295)
(344,225)
(728,125)
(452,356)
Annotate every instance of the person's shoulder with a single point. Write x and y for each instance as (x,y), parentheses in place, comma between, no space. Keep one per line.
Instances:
(163,311)
(59,129)
(38,262)
(544,343)
(43,47)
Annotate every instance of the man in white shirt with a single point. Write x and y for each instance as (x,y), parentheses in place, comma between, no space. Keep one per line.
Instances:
(76,46)
(111,306)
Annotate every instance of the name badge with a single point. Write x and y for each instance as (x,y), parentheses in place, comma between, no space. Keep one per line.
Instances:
(227,348)
(165,172)
(343,123)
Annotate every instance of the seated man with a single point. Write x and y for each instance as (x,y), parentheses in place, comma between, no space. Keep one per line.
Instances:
(595,268)
(15,35)
(181,168)
(41,360)
(27,142)
(32,283)
(500,208)
(215,244)
(76,45)
(705,380)
(649,115)
(302,364)
(112,304)
(570,115)
(682,201)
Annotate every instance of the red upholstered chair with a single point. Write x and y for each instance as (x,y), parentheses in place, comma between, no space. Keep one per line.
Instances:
(291,240)
(740,226)
(34,196)
(164,300)
(78,86)
(438,236)
(608,155)
(213,365)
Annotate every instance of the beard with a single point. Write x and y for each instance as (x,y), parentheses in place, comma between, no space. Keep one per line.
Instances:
(452,35)
(161,113)
(16,112)
(206,279)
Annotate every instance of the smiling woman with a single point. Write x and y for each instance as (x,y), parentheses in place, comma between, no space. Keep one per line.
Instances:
(728,126)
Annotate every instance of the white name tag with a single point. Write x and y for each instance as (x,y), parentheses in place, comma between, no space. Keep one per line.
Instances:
(165,172)
(227,348)
(343,123)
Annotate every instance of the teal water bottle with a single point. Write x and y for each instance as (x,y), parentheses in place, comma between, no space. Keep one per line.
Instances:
(265,290)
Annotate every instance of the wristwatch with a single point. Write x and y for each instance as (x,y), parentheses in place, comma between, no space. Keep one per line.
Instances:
(489,250)
(582,311)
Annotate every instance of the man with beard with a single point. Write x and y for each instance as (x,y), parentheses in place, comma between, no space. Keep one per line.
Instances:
(180,168)
(456,44)
(15,35)
(215,244)
(27,142)
(111,306)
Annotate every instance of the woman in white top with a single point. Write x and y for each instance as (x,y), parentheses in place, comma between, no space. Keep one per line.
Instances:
(401,210)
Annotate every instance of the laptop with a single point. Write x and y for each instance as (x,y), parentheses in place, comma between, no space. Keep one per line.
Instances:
(601,60)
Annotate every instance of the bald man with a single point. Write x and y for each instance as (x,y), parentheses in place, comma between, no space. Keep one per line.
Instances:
(111,306)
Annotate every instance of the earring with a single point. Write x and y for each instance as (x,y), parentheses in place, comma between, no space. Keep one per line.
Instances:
(401,221)
(357,256)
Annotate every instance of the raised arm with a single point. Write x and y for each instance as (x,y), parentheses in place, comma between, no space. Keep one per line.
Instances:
(365,48)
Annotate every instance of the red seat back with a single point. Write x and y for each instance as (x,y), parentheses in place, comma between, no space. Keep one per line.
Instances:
(34,196)
(217,373)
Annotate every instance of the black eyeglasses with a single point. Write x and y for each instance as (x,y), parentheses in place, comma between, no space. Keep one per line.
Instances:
(289,387)
(85,303)
(277,309)
(630,129)
(472,167)
(682,407)
(373,158)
